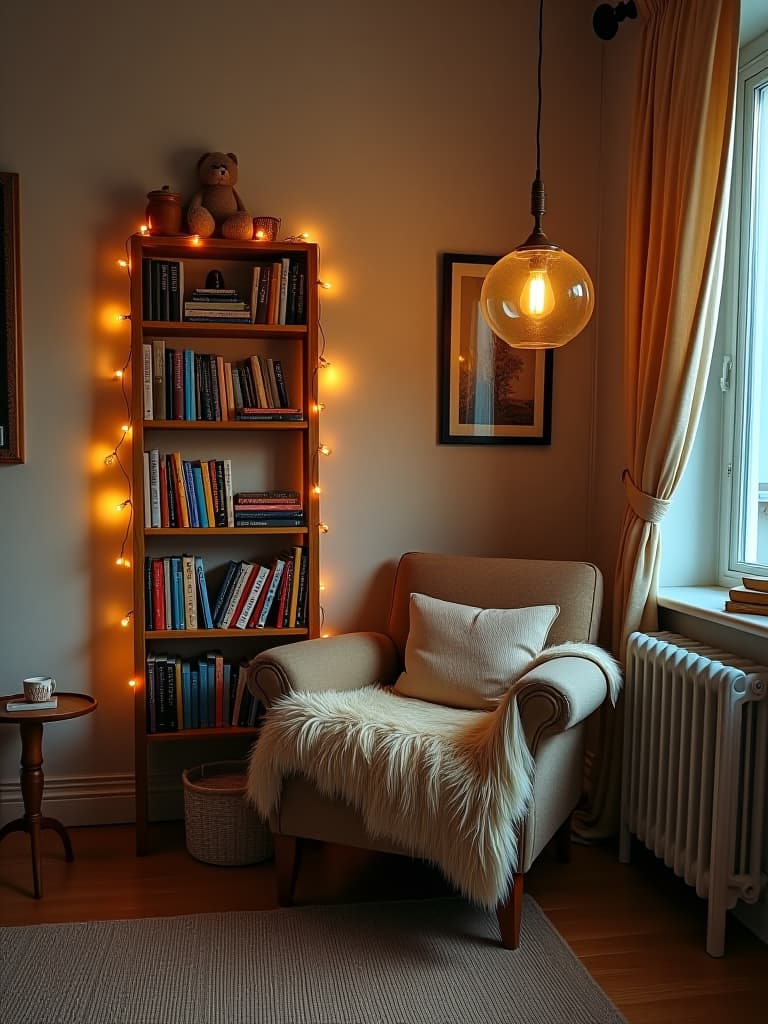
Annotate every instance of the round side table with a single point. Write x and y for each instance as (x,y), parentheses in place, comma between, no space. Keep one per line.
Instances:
(70,705)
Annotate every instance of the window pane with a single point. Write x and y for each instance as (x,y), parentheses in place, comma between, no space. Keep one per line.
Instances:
(754,511)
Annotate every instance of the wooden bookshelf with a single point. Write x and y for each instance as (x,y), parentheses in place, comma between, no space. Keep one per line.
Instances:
(265,455)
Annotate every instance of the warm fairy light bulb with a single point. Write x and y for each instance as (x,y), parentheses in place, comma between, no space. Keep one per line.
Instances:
(195,239)
(118,374)
(120,560)
(325,450)
(324,636)
(323,362)
(122,316)
(322,587)
(259,234)
(144,229)
(323,527)
(125,427)
(324,284)
(123,264)
(132,682)
(318,407)
(317,489)
(125,621)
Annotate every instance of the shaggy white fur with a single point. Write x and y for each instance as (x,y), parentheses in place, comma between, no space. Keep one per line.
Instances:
(447,785)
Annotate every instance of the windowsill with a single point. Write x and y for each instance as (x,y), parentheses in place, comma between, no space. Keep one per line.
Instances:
(708,603)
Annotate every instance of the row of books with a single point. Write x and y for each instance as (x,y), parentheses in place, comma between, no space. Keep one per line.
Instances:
(179,384)
(278,294)
(187,493)
(749,599)
(208,692)
(162,289)
(252,595)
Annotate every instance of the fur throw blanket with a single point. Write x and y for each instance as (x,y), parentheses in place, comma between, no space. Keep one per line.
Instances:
(449,786)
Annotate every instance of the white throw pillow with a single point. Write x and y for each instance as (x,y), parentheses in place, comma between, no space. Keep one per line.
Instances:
(466,657)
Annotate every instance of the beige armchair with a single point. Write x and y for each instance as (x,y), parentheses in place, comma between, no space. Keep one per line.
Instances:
(554,701)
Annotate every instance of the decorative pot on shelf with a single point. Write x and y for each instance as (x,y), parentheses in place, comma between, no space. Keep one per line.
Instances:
(164,212)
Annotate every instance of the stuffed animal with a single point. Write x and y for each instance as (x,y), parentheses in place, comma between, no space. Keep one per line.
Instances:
(217,209)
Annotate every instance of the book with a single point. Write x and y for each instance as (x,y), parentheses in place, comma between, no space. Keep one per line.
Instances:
(744,608)
(756,583)
(206,304)
(158,379)
(256,582)
(748,596)
(29,705)
(282,390)
(202,590)
(283,299)
(146,373)
(189,581)
(175,289)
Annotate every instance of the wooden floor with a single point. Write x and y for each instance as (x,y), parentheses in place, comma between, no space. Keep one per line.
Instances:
(637,929)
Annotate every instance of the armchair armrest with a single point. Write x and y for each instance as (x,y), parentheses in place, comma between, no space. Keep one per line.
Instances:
(557,695)
(343,662)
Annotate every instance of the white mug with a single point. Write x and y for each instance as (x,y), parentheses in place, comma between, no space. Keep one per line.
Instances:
(39,688)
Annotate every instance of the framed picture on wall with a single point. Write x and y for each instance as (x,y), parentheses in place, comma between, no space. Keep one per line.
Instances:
(11,420)
(489,393)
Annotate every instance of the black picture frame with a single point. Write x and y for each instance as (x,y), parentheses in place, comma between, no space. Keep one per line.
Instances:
(11,381)
(490,393)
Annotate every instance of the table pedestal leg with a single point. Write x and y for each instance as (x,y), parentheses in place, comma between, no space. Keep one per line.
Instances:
(32,782)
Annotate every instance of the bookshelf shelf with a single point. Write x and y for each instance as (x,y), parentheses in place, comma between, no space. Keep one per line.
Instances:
(172,665)
(196,734)
(187,329)
(225,425)
(228,531)
(240,634)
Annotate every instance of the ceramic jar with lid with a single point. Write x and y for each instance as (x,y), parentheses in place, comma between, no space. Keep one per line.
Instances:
(164,212)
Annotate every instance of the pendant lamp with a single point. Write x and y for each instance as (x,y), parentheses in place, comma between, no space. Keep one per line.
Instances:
(538,296)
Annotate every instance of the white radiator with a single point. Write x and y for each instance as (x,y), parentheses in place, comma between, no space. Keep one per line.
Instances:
(694,772)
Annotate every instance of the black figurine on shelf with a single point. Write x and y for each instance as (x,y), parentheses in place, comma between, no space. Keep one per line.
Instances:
(215,279)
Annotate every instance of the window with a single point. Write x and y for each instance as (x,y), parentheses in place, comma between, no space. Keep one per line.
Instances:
(744,380)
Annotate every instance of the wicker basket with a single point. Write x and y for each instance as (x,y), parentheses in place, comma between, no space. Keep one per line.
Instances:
(221,827)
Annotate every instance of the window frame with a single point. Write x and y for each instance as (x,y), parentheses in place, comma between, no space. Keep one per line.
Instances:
(735,312)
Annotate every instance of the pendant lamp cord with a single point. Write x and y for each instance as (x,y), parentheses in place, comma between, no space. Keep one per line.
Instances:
(538,196)
(538,84)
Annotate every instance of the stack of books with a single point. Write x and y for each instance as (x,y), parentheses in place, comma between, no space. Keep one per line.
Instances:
(216,306)
(268,508)
(749,599)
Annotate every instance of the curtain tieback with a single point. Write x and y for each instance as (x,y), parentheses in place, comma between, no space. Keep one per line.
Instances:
(646,506)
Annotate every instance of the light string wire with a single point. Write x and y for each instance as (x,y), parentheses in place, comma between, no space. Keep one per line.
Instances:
(114,455)
(320,363)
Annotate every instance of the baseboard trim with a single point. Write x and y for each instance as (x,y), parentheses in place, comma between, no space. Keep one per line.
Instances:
(96,799)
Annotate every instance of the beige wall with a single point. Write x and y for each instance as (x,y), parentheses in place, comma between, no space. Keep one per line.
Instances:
(393,132)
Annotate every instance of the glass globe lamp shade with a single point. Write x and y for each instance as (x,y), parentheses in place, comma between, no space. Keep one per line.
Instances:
(537,297)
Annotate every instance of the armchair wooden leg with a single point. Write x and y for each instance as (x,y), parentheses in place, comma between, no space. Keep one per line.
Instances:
(287,856)
(509,912)
(563,841)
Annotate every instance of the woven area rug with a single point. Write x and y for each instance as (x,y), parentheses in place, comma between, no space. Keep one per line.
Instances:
(419,962)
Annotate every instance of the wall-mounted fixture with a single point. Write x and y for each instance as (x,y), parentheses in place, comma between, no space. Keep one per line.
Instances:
(606,19)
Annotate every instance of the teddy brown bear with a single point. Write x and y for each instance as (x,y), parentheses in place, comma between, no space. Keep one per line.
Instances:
(217,209)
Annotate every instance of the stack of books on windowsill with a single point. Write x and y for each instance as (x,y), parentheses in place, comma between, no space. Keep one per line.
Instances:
(216,306)
(749,599)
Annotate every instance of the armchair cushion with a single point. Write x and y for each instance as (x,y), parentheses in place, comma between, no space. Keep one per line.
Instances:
(466,657)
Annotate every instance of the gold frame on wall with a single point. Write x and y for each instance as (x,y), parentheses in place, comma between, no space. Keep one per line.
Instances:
(11,381)
(489,393)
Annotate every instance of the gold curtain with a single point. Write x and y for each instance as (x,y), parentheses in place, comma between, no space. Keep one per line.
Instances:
(677,202)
